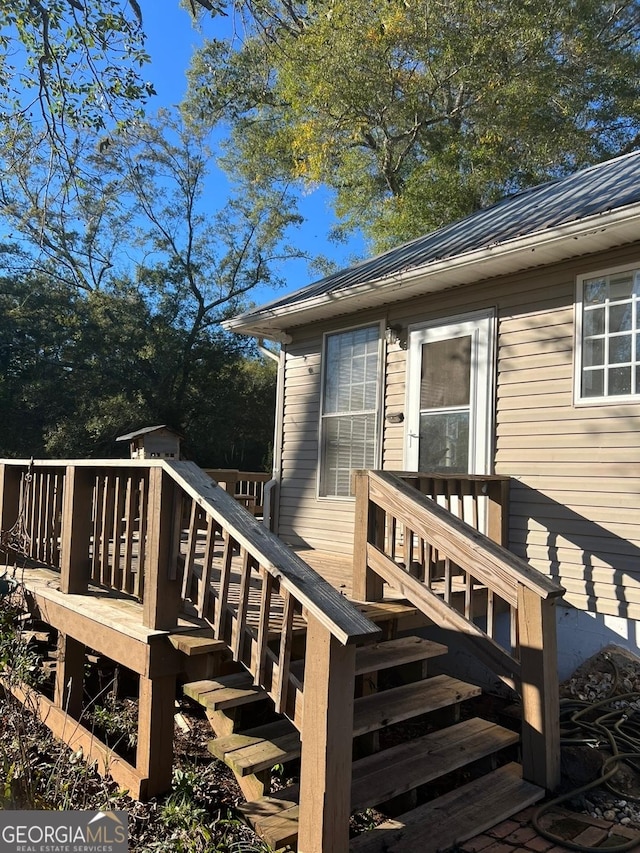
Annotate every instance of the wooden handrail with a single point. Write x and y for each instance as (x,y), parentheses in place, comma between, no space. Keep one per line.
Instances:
(316,594)
(496,567)
(467,583)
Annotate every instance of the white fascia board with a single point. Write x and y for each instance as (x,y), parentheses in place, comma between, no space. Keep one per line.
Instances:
(604,231)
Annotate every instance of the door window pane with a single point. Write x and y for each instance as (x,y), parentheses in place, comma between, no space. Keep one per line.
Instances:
(446,373)
(444,442)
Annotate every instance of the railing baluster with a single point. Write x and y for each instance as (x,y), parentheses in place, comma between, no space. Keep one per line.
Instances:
(259,664)
(490,613)
(447,580)
(189,557)
(513,629)
(237,634)
(468,596)
(204,592)
(127,548)
(35,515)
(225,581)
(284,656)
(143,510)
(103,540)
(97,526)
(116,569)
(57,525)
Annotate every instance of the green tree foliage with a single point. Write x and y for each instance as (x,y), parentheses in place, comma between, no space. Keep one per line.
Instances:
(77,369)
(418,111)
(116,270)
(111,308)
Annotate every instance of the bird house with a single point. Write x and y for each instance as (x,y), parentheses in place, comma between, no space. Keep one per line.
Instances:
(155,442)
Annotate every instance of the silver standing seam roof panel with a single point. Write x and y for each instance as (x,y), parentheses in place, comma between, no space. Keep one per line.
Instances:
(597,189)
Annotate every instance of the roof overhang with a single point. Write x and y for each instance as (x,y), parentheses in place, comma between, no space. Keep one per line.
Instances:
(552,245)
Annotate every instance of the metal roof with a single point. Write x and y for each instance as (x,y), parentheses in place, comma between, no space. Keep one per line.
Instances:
(598,189)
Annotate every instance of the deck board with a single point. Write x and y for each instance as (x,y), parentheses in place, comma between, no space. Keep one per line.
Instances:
(123,612)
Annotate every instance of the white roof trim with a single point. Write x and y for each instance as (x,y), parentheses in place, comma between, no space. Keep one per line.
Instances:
(606,230)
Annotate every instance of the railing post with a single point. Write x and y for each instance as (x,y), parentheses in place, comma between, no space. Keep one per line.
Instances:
(540,692)
(9,496)
(75,535)
(69,682)
(498,512)
(161,588)
(327,743)
(154,755)
(367,586)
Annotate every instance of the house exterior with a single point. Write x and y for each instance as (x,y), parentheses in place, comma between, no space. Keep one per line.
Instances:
(507,343)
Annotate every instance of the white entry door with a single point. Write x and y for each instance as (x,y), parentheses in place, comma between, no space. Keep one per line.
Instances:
(450,396)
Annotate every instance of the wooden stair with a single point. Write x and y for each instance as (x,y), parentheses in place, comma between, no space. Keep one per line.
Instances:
(228,691)
(474,807)
(397,773)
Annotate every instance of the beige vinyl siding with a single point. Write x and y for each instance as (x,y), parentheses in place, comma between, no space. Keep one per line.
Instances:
(304,519)
(575,493)
(394,402)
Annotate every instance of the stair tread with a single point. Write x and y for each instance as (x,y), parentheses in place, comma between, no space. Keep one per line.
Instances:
(253,750)
(228,691)
(198,642)
(396,652)
(410,700)
(225,744)
(455,817)
(383,611)
(384,655)
(251,754)
(274,819)
(390,772)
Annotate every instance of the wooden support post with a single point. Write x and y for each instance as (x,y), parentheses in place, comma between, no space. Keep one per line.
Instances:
(540,699)
(156,708)
(367,585)
(498,512)
(69,676)
(162,587)
(327,742)
(76,530)
(9,495)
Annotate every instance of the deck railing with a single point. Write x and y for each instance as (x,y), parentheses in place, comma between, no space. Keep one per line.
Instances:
(465,582)
(480,500)
(246,486)
(120,525)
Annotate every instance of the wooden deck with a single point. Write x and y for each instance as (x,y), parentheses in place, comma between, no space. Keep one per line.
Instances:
(162,571)
(117,611)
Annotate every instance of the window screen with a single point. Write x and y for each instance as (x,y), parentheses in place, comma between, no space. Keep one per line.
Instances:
(349,414)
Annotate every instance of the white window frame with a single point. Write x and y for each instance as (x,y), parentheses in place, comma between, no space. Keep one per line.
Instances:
(322,417)
(607,399)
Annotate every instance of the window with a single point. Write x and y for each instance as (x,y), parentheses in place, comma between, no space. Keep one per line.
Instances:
(349,424)
(608,336)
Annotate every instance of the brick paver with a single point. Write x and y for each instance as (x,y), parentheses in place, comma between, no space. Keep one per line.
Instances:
(517,835)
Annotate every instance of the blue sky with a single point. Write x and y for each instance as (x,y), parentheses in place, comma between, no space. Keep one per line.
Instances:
(171,39)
